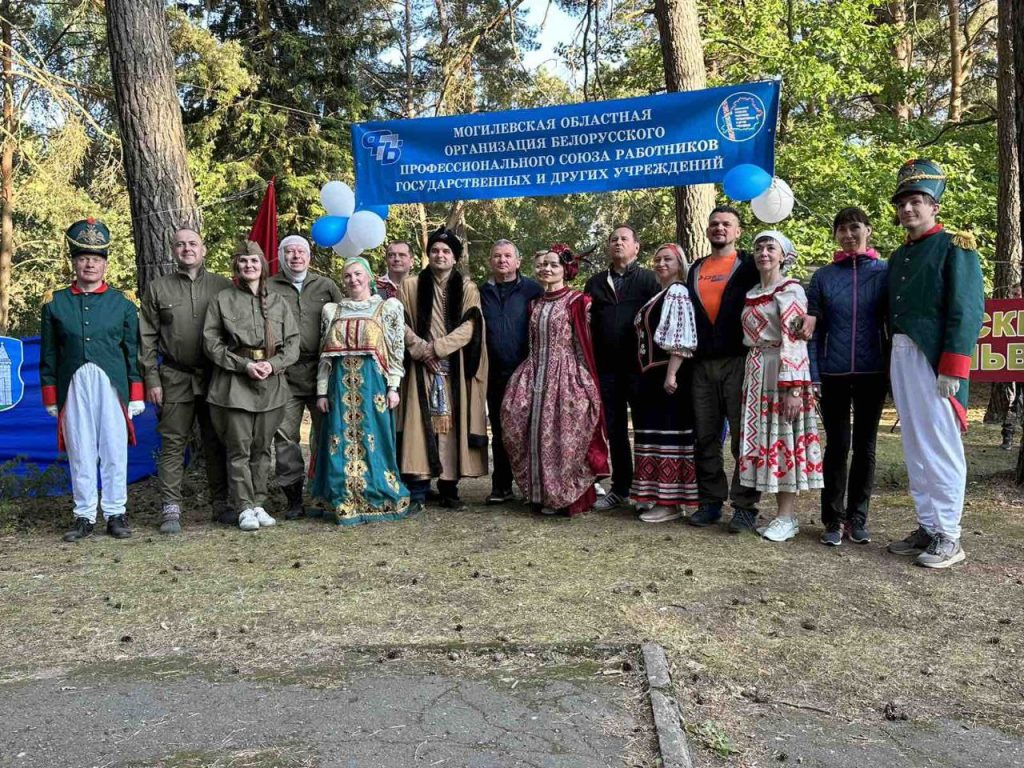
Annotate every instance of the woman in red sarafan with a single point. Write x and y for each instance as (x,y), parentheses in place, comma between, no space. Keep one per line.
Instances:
(551,415)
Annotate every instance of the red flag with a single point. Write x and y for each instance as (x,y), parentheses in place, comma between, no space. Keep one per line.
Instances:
(264,230)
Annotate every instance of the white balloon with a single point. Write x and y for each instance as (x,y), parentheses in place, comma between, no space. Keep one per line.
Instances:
(366,229)
(346,248)
(337,198)
(775,203)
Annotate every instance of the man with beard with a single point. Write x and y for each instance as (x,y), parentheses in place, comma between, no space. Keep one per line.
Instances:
(718,285)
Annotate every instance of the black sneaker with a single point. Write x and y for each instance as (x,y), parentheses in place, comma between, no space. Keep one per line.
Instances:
(706,514)
(82,529)
(858,533)
(227,516)
(916,543)
(500,497)
(117,527)
(743,520)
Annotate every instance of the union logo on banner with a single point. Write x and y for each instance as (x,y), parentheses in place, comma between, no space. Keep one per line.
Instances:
(12,353)
(385,146)
(740,117)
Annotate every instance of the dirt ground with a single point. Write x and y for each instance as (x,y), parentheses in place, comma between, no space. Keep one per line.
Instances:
(768,641)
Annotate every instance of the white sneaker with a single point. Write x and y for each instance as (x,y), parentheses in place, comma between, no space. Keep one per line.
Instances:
(644,506)
(661,514)
(248,521)
(780,529)
(264,519)
(599,490)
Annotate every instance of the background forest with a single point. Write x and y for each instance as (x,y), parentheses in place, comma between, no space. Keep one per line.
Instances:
(271,87)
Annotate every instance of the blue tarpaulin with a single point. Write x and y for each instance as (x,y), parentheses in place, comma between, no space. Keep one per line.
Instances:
(29,433)
(667,140)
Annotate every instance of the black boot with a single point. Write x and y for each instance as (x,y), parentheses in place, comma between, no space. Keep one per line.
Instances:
(293,493)
(82,529)
(117,527)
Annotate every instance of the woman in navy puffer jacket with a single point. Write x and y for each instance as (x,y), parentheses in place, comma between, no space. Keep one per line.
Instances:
(848,352)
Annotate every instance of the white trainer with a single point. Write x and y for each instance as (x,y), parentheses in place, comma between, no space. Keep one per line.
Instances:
(780,529)
(248,521)
(661,514)
(264,519)
(599,490)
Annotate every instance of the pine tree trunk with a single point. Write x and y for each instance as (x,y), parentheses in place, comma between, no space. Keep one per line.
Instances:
(1008,229)
(903,52)
(7,171)
(160,185)
(683,53)
(956,72)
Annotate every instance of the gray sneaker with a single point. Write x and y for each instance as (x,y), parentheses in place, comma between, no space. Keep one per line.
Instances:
(916,543)
(610,500)
(943,552)
(833,537)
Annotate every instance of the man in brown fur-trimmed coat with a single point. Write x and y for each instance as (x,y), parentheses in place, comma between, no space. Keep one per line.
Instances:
(442,426)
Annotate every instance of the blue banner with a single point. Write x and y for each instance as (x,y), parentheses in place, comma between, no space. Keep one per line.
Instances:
(29,435)
(668,140)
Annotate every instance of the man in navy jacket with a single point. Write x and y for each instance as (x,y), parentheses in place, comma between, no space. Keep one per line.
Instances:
(617,294)
(505,299)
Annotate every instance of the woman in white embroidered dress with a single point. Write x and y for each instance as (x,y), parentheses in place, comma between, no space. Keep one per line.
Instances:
(780,451)
(664,475)
(354,469)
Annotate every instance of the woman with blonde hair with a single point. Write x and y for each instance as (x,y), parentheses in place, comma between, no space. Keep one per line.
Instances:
(664,476)
(251,337)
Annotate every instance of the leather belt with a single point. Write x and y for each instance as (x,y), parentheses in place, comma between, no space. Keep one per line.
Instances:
(253,353)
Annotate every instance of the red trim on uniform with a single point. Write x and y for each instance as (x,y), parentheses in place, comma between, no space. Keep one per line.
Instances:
(49,394)
(136,391)
(952,364)
(76,291)
(128,423)
(961,413)
(934,230)
(61,445)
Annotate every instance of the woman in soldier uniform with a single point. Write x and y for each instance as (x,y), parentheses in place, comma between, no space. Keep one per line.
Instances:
(251,338)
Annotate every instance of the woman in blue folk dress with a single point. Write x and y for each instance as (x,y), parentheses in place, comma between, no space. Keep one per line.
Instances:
(354,469)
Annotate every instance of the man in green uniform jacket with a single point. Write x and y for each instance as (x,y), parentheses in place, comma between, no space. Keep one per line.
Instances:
(306,293)
(936,304)
(88,369)
(177,374)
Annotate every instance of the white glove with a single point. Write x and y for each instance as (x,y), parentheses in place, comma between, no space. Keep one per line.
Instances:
(947,386)
(52,410)
(135,408)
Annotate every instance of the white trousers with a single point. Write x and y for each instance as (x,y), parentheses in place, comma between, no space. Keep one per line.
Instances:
(932,447)
(95,432)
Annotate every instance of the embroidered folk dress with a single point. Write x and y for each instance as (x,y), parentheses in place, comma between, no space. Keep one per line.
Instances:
(664,472)
(354,468)
(777,454)
(551,414)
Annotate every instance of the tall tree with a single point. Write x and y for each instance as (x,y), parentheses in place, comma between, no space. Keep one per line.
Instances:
(7,165)
(683,53)
(156,165)
(956,70)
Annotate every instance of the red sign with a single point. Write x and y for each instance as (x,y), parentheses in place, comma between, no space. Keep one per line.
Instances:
(999,355)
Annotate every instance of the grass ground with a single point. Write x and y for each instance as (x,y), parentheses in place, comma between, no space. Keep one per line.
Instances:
(849,631)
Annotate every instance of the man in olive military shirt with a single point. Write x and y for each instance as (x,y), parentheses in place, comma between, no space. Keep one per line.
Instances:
(177,373)
(306,293)
(936,304)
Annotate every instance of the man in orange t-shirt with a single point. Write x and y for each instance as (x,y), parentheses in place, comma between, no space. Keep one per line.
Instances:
(718,284)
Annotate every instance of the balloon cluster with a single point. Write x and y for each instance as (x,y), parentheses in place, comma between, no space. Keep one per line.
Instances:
(349,228)
(771,199)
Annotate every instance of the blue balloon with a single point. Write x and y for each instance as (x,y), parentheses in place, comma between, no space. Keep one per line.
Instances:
(746,181)
(329,230)
(380,210)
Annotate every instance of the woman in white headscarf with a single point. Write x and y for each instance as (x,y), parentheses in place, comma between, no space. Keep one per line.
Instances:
(780,451)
